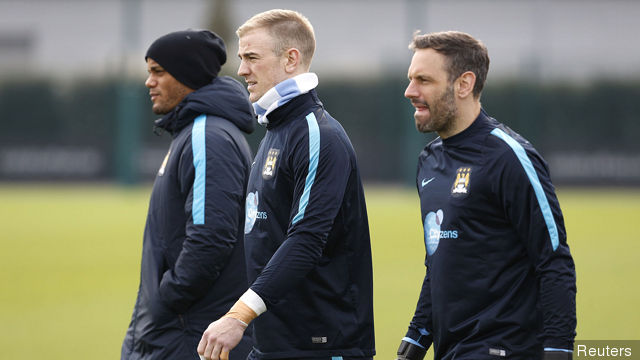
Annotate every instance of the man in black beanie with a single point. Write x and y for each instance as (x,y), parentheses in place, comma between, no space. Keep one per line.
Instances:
(193,266)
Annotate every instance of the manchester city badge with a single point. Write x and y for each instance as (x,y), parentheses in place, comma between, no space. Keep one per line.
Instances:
(461,184)
(269,167)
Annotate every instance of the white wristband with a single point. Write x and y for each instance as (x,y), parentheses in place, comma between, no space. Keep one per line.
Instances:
(254,301)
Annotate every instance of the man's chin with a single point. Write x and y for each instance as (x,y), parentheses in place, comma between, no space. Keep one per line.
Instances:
(159,111)
(253,98)
(424,127)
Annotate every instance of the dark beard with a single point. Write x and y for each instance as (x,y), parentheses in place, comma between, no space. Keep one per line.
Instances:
(443,113)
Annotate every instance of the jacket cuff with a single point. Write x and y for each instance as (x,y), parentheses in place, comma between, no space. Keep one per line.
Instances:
(254,301)
(420,337)
(557,345)
(557,354)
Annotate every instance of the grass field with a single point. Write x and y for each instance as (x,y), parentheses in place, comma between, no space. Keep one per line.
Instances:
(70,255)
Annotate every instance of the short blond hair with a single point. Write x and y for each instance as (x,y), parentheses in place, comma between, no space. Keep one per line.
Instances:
(288,28)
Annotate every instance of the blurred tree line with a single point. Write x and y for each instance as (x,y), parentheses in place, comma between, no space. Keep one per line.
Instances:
(41,115)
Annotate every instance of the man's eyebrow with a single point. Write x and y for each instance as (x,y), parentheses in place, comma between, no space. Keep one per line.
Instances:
(419,76)
(248,53)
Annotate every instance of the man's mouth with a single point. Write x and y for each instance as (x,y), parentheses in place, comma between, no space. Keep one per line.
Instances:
(420,106)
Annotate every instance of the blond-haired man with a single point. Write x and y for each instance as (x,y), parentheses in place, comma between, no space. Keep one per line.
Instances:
(306,231)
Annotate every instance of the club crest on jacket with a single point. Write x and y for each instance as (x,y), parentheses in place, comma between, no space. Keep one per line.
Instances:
(270,164)
(461,184)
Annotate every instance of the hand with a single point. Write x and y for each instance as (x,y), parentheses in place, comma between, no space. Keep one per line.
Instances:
(220,337)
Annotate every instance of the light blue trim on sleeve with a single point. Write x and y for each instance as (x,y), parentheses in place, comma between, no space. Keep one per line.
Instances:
(554,349)
(336,358)
(314,155)
(535,182)
(200,164)
(411,341)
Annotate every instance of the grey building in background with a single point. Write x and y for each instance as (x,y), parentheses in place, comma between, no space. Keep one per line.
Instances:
(573,40)
(362,44)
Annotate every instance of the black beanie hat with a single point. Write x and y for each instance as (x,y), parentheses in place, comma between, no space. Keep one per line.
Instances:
(193,57)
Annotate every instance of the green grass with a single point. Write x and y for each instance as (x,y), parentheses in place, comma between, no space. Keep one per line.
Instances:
(70,257)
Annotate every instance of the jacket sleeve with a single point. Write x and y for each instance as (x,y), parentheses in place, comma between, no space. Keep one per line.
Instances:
(213,173)
(321,165)
(420,328)
(530,203)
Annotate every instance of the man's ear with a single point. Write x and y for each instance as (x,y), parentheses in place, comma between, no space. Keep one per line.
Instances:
(464,84)
(292,60)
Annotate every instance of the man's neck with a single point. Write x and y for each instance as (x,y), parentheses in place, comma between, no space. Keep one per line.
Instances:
(466,115)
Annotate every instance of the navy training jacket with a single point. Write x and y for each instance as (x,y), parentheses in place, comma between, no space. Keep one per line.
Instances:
(193,267)
(307,239)
(500,279)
